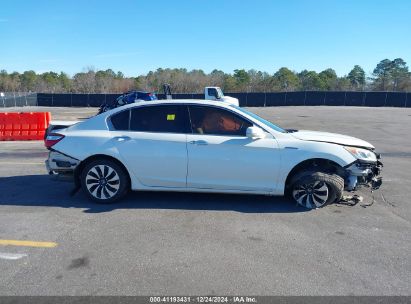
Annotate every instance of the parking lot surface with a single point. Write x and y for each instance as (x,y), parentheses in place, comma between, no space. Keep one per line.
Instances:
(192,244)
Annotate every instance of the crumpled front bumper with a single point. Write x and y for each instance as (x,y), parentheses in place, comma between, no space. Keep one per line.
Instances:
(60,166)
(361,173)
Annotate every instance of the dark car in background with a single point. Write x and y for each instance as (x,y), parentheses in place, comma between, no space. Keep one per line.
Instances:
(127,98)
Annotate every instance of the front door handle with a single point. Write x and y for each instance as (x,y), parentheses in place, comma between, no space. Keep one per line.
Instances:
(198,142)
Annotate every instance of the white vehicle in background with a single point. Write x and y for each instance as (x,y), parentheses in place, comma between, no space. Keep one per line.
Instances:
(207,146)
(210,93)
(215,93)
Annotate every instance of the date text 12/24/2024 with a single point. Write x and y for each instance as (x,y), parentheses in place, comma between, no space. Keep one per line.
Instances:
(203,299)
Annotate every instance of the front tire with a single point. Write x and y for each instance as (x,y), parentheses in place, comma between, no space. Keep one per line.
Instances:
(104,181)
(317,189)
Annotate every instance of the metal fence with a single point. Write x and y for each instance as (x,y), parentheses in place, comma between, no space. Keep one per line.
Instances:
(301,98)
(19,99)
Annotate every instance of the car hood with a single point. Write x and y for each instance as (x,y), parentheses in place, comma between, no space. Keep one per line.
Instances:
(331,138)
(229,99)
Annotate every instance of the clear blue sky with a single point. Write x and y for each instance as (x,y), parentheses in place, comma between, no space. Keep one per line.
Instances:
(138,36)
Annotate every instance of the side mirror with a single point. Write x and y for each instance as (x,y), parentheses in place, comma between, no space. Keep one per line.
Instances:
(255,132)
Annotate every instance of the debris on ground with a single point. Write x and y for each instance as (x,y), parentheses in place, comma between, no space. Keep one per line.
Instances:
(352,200)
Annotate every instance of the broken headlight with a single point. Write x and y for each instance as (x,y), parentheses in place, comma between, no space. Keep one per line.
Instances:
(362,154)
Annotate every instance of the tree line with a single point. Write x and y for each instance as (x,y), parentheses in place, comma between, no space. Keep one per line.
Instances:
(388,75)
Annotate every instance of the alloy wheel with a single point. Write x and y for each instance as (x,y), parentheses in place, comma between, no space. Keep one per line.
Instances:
(102,182)
(312,195)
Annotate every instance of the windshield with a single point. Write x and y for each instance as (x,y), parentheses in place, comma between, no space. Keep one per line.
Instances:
(219,92)
(260,119)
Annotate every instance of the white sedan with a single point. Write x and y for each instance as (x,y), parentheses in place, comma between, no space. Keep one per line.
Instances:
(207,146)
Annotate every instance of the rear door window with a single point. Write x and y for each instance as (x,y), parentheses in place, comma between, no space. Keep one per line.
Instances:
(120,121)
(160,118)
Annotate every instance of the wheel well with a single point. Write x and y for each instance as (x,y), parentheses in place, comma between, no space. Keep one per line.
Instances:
(326,165)
(80,167)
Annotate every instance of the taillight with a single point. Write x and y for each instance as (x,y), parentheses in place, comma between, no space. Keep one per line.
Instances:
(52,139)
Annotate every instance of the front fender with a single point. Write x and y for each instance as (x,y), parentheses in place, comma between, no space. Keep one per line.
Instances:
(294,155)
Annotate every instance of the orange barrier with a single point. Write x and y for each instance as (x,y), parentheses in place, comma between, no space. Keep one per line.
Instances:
(24,126)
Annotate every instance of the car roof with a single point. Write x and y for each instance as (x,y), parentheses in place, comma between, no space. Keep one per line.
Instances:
(176,101)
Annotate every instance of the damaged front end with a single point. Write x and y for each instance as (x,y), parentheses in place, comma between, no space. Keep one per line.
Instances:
(363,173)
(61,166)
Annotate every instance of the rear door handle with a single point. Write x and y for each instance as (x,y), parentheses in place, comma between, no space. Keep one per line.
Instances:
(122,138)
(198,142)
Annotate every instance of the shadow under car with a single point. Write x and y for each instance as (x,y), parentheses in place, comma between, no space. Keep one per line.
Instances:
(39,190)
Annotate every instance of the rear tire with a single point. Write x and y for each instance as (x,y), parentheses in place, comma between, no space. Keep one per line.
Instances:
(104,181)
(316,189)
